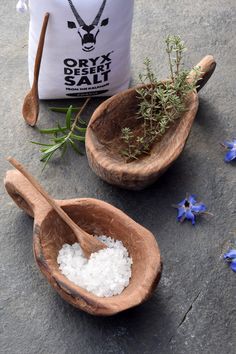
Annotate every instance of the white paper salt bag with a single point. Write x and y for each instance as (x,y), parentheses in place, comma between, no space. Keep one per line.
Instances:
(87,47)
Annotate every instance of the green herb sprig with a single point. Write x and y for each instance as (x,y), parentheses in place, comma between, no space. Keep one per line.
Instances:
(160,103)
(64,136)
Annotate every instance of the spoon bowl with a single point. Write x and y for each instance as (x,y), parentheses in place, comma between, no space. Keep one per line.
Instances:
(97,218)
(103,143)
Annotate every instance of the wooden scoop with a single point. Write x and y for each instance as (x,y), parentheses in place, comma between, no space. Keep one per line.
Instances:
(103,142)
(88,243)
(95,217)
(30,108)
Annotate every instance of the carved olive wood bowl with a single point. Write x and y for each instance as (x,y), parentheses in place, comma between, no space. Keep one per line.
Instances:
(103,143)
(97,218)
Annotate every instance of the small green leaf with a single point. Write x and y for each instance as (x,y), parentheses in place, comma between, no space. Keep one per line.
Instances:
(41,144)
(81,121)
(81,130)
(61,129)
(75,148)
(60,139)
(64,109)
(77,137)
(53,148)
(68,117)
(52,130)
(64,148)
(46,160)
(44,149)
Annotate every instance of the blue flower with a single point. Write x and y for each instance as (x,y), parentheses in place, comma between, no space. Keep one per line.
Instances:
(230,257)
(189,208)
(231,150)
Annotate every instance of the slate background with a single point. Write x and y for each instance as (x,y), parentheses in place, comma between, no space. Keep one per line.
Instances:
(193,309)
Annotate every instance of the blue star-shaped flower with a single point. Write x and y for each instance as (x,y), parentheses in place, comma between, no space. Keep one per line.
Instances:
(231,147)
(230,257)
(189,208)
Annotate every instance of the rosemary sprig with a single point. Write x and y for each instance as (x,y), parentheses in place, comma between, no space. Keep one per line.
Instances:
(160,103)
(65,136)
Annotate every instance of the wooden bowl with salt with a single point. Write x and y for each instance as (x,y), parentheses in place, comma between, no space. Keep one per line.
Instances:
(95,217)
(103,143)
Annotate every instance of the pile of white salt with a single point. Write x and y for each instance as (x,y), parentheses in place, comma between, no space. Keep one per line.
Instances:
(106,273)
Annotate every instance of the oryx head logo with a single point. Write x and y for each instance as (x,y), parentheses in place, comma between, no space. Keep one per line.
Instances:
(88,33)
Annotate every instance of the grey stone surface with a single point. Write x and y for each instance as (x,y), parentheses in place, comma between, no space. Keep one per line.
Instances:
(193,309)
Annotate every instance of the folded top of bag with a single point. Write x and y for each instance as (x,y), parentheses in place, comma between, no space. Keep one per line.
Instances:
(21,6)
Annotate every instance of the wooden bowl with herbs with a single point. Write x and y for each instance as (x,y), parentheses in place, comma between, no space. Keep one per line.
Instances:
(134,136)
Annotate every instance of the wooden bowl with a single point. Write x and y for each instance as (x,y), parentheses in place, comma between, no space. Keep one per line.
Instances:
(97,218)
(103,142)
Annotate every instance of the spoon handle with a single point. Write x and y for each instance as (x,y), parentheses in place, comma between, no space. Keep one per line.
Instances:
(39,53)
(30,109)
(88,243)
(207,67)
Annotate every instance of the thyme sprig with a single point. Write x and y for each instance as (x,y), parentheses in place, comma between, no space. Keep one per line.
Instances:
(160,103)
(64,136)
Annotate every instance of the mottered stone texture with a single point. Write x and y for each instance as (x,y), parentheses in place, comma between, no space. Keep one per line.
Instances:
(193,309)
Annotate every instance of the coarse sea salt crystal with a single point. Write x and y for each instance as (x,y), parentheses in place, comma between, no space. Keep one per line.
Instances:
(106,273)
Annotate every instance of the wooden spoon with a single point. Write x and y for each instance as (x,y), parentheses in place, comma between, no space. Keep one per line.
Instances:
(95,217)
(88,243)
(30,109)
(103,143)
